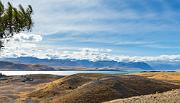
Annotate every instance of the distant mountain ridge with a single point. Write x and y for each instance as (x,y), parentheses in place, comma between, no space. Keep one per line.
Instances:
(165,65)
(82,63)
(10,66)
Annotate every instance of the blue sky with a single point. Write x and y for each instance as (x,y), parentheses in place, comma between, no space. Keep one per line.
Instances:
(143,28)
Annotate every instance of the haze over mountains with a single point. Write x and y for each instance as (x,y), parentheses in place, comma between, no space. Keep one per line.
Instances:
(98,65)
(165,65)
(10,66)
(32,63)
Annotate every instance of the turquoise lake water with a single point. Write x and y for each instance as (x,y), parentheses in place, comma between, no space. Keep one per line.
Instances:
(67,72)
(62,72)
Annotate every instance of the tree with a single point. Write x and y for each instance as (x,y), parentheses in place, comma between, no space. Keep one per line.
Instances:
(14,20)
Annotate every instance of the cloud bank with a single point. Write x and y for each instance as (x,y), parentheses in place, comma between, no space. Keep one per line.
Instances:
(29,49)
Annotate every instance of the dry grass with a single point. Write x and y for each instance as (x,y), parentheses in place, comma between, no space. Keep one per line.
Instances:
(167,97)
(97,88)
(14,88)
(171,77)
(83,88)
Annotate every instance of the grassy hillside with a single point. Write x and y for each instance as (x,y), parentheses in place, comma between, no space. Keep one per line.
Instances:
(170,77)
(96,88)
(12,87)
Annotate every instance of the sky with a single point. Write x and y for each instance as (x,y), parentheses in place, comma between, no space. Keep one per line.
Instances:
(122,30)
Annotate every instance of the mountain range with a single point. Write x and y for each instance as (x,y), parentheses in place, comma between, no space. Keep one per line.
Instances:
(32,63)
(160,65)
(58,64)
(10,66)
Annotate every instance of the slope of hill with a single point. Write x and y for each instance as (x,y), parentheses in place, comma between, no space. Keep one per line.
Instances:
(96,88)
(12,86)
(167,76)
(82,63)
(167,97)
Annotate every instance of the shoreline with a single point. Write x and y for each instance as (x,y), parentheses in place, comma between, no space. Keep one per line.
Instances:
(64,73)
(11,73)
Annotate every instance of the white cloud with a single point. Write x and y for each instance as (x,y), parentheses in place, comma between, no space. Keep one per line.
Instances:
(93,54)
(20,44)
(24,37)
(23,44)
(168,58)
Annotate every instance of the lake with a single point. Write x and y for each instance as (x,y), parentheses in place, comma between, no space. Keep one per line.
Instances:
(69,72)
(62,72)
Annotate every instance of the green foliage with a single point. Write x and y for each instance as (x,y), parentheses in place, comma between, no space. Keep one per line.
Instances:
(14,20)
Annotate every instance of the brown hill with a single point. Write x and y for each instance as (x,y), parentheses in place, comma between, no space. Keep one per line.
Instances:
(167,97)
(13,86)
(96,88)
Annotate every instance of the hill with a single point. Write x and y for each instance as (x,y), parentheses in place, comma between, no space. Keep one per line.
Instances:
(96,88)
(166,97)
(13,86)
(168,76)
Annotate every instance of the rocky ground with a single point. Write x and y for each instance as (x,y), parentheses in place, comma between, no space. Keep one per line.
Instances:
(166,97)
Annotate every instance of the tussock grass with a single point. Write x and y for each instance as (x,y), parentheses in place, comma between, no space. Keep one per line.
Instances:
(97,88)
